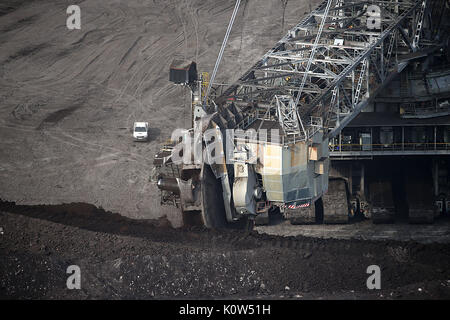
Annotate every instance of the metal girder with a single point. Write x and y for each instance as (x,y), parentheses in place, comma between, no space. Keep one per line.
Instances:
(223,97)
(349,117)
(287,115)
(359,59)
(323,61)
(313,50)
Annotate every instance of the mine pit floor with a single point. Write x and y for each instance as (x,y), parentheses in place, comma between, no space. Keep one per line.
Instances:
(121,258)
(401,230)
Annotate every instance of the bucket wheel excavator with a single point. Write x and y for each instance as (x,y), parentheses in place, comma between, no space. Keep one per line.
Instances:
(261,145)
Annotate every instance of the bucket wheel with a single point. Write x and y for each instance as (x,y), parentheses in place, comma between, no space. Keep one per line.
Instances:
(209,194)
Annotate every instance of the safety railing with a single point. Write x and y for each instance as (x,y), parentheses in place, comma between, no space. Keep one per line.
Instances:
(314,126)
(251,117)
(413,111)
(406,146)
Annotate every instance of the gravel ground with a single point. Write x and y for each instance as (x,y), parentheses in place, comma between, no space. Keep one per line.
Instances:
(67,103)
(127,258)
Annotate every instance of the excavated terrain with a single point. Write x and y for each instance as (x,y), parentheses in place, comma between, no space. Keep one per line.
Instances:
(68,99)
(126,258)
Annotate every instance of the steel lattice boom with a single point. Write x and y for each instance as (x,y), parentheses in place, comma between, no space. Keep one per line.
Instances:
(334,61)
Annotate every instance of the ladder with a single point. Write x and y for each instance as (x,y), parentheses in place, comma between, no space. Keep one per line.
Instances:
(416,40)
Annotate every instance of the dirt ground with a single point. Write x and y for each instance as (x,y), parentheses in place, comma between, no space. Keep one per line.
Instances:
(68,99)
(439,231)
(128,258)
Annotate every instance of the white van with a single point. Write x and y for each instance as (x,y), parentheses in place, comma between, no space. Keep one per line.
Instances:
(140,131)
